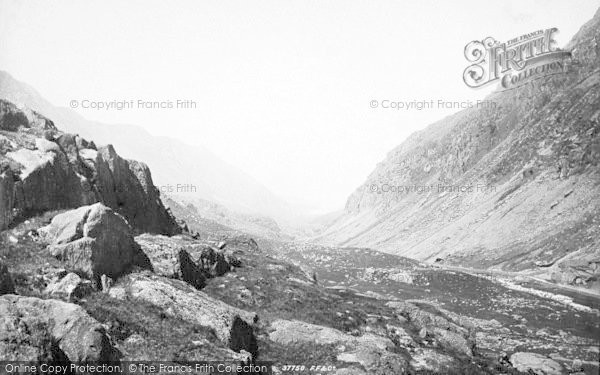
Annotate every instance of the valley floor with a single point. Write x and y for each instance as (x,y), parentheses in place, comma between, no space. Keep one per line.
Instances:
(514,312)
(350,310)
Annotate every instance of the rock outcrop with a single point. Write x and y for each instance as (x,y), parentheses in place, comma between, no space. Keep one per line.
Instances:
(94,240)
(6,283)
(51,330)
(126,185)
(44,169)
(233,326)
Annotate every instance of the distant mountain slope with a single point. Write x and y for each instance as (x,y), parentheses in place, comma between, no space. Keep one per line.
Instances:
(203,217)
(172,162)
(532,164)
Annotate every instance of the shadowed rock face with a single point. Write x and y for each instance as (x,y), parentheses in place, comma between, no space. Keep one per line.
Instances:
(6,283)
(214,262)
(94,240)
(43,169)
(126,186)
(242,337)
(190,272)
(32,328)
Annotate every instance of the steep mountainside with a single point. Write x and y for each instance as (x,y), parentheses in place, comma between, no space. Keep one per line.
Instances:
(43,169)
(172,162)
(515,185)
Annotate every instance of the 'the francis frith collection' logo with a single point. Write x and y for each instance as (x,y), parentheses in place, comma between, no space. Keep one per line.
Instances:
(514,62)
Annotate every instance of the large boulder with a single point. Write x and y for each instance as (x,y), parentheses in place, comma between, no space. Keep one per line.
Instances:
(44,169)
(233,326)
(94,240)
(534,363)
(33,329)
(6,282)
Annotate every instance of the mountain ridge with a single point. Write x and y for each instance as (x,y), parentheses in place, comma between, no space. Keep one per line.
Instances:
(512,186)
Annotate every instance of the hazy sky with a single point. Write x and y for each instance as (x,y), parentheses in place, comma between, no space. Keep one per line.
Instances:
(283,88)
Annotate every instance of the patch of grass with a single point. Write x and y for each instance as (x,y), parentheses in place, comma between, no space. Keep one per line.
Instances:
(30,342)
(275,296)
(28,260)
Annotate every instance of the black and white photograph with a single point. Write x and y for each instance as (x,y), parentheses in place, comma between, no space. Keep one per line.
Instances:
(300,187)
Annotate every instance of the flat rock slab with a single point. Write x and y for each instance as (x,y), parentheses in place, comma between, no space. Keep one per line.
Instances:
(289,332)
(372,352)
(536,363)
